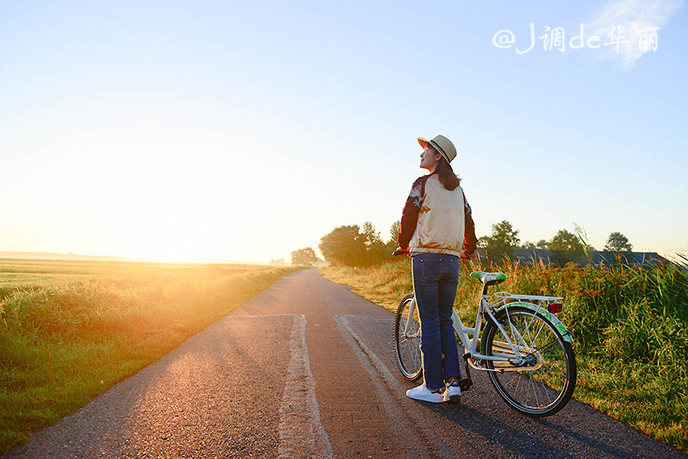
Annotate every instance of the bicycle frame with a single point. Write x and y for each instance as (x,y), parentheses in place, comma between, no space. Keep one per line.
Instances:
(526,350)
(485,307)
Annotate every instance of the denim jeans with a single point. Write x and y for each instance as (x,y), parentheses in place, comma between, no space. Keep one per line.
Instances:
(435,279)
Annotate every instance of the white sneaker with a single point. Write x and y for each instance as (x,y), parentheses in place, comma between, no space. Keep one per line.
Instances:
(424,394)
(452,393)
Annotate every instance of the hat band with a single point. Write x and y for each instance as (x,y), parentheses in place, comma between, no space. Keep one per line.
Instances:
(440,150)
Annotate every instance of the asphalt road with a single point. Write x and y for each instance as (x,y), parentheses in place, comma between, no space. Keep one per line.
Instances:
(306,369)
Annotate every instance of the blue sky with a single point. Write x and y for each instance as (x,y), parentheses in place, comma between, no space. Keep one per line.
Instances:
(244,131)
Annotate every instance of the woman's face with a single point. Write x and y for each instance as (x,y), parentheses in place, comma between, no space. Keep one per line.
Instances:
(429,158)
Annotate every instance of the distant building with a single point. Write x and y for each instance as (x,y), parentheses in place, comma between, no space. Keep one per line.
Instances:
(531,256)
(523,256)
(599,258)
(644,259)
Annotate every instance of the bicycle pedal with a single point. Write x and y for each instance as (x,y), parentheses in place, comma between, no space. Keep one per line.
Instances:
(465,384)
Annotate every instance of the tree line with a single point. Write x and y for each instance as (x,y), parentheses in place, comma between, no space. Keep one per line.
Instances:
(565,247)
(354,245)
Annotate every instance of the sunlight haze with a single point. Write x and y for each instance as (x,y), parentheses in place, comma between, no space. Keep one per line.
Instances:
(243,131)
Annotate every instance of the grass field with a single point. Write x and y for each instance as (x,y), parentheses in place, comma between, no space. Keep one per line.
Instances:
(69,330)
(630,329)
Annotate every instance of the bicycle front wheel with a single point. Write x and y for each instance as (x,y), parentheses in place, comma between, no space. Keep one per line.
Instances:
(538,375)
(407,338)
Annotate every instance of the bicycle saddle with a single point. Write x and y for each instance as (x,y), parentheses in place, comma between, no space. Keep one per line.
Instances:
(489,278)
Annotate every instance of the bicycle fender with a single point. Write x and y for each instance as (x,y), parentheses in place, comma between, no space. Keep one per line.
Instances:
(554,320)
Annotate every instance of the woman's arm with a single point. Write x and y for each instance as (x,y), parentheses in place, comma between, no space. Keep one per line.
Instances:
(409,216)
(470,242)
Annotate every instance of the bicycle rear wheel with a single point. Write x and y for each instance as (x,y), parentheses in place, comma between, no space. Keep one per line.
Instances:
(539,379)
(407,339)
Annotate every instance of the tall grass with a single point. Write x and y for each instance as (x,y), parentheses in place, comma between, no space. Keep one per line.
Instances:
(63,343)
(630,328)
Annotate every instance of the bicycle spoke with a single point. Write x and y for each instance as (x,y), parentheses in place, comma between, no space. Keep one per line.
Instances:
(532,385)
(547,346)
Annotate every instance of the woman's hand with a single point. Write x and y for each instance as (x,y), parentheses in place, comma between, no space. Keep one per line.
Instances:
(400,251)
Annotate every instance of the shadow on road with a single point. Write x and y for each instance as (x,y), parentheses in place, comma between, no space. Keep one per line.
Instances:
(484,420)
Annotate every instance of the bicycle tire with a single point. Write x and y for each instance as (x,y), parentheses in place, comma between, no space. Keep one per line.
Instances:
(407,348)
(543,382)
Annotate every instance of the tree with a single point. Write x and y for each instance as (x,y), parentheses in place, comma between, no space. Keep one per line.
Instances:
(304,257)
(528,245)
(617,242)
(394,231)
(349,246)
(343,246)
(565,248)
(542,244)
(370,235)
(393,236)
(376,250)
(565,241)
(500,243)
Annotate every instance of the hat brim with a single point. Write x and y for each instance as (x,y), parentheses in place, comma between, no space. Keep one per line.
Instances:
(423,142)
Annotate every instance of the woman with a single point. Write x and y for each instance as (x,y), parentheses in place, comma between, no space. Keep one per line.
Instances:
(436,230)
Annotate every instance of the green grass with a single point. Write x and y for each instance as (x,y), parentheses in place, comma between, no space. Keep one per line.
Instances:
(70,330)
(630,329)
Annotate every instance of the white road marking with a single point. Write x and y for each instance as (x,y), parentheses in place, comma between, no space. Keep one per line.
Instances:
(300,429)
(399,408)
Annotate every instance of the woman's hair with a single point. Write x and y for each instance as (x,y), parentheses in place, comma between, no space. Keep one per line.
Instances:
(446,174)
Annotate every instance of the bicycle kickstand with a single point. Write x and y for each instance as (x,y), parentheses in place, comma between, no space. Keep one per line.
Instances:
(466,382)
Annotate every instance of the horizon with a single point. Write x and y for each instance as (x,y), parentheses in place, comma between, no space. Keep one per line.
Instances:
(71,256)
(246,132)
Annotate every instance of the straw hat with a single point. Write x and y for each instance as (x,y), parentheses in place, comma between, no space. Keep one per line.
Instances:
(443,145)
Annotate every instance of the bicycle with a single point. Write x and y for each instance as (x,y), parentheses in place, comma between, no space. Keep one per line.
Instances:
(525,349)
